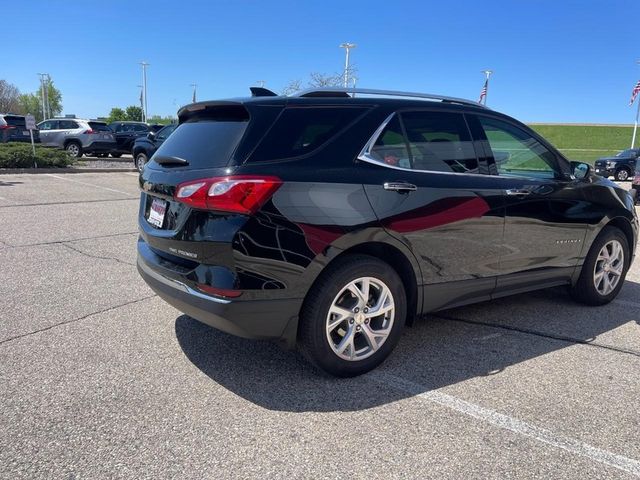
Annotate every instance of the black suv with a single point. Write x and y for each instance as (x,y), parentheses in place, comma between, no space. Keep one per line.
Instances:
(13,128)
(144,147)
(126,133)
(621,167)
(330,221)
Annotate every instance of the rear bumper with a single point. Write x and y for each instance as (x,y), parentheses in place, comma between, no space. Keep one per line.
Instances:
(256,318)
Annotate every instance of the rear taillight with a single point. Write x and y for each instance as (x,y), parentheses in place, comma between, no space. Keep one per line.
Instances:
(90,132)
(243,194)
(6,127)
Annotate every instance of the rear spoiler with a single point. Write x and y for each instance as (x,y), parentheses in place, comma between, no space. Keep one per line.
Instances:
(217,110)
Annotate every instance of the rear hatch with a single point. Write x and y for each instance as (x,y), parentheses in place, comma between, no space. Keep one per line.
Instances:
(100,131)
(181,218)
(15,128)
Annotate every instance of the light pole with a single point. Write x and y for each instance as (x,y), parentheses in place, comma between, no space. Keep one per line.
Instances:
(347,47)
(260,83)
(635,125)
(43,89)
(144,89)
(193,97)
(485,89)
(141,103)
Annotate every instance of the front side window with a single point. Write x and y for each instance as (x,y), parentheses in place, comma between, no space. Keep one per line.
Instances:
(163,133)
(48,125)
(517,152)
(426,141)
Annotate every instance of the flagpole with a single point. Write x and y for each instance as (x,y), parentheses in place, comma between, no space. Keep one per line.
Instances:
(635,126)
(487,74)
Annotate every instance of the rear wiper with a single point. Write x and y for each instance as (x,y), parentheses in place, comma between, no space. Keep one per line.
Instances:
(169,160)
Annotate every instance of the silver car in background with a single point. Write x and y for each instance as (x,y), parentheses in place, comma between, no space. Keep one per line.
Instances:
(77,136)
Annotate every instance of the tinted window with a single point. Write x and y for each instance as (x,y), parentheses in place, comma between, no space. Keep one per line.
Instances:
(99,126)
(391,146)
(440,142)
(299,131)
(428,141)
(140,128)
(15,120)
(165,132)
(517,152)
(206,143)
(67,125)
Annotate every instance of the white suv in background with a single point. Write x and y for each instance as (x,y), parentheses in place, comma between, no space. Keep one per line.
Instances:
(77,136)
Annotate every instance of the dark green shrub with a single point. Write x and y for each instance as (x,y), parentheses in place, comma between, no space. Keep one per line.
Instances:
(20,155)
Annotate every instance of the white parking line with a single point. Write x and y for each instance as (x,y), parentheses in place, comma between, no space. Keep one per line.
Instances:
(90,185)
(506,422)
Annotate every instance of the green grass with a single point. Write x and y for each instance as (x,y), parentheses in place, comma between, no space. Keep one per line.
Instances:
(586,142)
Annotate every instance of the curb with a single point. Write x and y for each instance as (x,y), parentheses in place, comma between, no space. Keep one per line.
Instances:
(6,171)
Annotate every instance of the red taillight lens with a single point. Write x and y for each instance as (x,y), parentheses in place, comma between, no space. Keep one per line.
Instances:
(238,194)
(90,131)
(6,127)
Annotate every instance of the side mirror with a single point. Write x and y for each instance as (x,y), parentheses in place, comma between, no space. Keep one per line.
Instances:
(151,135)
(580,170)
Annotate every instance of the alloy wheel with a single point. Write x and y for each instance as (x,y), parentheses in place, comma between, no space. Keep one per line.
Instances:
(609,267)
(360,318)
(73,149)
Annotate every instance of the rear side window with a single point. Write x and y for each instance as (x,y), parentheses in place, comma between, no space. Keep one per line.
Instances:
(67,125)
(100,127)
(205,143)
(426,141)
(299,131)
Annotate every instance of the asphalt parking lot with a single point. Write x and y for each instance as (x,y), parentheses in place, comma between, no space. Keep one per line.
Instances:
(99,378)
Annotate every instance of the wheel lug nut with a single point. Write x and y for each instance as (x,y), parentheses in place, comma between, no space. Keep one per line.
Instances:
(351,321)
(356,310)
(358,328)
(366,310)
(366,320)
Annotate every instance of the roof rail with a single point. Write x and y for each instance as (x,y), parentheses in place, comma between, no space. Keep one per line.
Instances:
(343,92)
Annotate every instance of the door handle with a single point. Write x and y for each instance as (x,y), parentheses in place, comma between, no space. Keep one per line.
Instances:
(400,187)
(518,192)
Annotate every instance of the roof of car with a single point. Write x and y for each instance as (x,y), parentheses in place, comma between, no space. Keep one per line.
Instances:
(342,96)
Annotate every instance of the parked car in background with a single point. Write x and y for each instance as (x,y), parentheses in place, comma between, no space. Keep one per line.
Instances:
(330,221)
(156,127)
(636,184)
(13,128)
(126,133)
(621,167)
(77,136)
(145,147)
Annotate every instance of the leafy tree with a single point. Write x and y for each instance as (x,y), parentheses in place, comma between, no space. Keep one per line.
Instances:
(32,102)
(9,95)
(134,113)
(116,115)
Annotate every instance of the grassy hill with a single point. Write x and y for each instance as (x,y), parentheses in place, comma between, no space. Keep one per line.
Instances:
(586,142)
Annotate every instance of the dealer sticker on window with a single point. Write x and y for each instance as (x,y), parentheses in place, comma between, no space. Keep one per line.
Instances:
(156,212)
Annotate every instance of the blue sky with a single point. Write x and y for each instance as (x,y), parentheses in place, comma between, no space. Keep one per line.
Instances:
(554,61)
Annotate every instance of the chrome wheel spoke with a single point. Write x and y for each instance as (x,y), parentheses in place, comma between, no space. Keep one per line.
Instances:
(609,267)
(357,332)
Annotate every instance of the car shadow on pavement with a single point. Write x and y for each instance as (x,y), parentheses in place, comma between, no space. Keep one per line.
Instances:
(442,349)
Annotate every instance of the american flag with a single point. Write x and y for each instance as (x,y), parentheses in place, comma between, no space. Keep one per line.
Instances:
(634,93)
(483,92)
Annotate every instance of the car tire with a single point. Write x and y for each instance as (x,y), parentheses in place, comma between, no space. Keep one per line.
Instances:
(73,149)
(337,332)
(116,155)
(604,268)
(140,161)
(622,175)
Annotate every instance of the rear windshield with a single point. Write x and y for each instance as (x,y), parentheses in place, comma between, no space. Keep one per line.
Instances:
(204,143)
(100,127)
(15,120)
(301,130)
